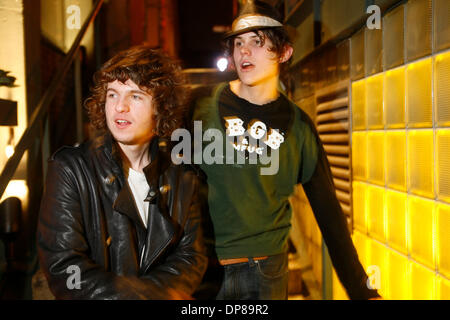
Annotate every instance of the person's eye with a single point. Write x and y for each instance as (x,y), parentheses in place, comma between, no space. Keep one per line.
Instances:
(111,95)
(238,44)
(137,97)
(257,42)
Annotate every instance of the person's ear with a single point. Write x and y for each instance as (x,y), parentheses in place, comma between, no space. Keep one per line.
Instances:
(287,53)
(231,63)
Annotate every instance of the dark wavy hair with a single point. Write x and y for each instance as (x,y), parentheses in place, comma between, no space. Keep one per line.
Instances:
(278,36)
(154,72)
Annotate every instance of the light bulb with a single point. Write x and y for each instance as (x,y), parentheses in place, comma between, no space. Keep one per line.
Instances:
(9,150)
(222,64)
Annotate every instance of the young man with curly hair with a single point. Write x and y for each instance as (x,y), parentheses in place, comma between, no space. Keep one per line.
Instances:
(250,210)
(118,219)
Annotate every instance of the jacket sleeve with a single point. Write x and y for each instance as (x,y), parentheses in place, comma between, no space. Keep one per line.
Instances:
(183,269)
(64,250)
(320,191)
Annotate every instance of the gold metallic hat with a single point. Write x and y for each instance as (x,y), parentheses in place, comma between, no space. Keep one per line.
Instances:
(255,15)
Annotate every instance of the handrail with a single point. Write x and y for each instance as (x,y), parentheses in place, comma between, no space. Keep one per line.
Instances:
(42,108)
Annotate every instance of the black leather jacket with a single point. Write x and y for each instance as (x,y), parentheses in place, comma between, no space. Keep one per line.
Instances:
(89,220)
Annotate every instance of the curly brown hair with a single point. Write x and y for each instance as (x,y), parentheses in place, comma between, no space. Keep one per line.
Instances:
(154,72)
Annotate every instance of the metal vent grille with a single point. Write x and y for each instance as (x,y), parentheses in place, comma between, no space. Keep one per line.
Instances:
(393,38)
(441,24)
(332,122)
(442,92)
(418,28)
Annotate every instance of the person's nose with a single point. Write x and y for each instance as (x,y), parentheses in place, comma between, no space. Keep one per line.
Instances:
(122,105)
(245,50)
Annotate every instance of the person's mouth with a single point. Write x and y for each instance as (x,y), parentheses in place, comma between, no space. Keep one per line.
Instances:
(121,123)
(247,66)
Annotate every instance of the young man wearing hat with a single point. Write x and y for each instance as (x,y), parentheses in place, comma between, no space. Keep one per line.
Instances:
(249,207)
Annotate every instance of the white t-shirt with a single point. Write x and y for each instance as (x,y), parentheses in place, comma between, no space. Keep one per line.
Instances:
(139,188)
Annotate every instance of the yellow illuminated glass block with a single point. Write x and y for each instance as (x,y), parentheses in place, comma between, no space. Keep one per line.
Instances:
(423,283)
(394,98)
(316,261)
(339,292)
(396,220)
(398,277)
(421,230)
(377,271)
(359,155)
(359,114)
(418,94)
(374,102)
(443,288)
(375,202)
(375,157)
(316,235)
(361,243)
(442,93)
(443,239)
(443,164)
(396,160)
(359,206)
(420,163)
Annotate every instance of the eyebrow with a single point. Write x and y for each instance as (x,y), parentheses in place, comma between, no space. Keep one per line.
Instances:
(131,91)
(138,91)
(241,38)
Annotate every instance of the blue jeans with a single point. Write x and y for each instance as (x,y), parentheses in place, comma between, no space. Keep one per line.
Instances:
(256,280)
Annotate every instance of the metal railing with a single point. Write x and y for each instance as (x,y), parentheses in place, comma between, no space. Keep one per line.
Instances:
(41,111)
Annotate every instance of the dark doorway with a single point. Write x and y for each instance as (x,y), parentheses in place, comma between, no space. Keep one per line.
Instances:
(200,44)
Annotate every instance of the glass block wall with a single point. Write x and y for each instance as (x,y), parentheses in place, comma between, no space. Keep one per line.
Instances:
(401,152)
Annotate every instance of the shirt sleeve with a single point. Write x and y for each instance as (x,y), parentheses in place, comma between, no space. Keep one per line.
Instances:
(319,188)
(309,155)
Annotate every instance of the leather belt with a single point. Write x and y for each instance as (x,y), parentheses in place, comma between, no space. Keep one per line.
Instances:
(225,262)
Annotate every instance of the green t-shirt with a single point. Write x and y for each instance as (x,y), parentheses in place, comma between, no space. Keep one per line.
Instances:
(248,202)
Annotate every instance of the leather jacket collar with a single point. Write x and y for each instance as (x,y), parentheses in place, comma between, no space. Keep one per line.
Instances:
(160,161)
